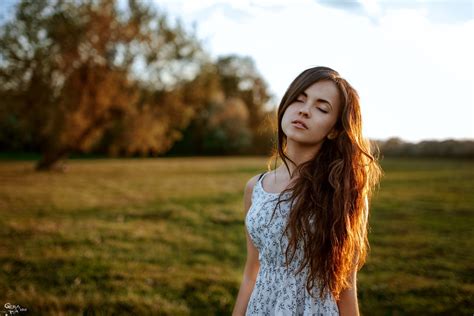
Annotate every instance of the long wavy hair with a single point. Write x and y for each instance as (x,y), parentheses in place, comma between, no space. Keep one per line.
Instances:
(330,197)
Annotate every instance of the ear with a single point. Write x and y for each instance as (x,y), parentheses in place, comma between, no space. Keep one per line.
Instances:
(332,134)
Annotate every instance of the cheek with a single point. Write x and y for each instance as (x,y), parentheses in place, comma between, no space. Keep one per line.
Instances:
(286,117)
(321,126)
(333,122)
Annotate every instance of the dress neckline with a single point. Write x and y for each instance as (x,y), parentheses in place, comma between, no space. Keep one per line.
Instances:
(266,192)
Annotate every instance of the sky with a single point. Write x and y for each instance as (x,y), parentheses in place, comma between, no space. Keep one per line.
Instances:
(410,60)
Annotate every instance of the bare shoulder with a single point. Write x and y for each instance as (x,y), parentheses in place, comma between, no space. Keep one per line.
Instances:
(251,183)
(248,191)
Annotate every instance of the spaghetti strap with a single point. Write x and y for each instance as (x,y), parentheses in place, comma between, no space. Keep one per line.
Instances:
(261,175)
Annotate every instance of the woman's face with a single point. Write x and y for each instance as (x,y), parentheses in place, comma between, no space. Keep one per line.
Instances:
(317,108)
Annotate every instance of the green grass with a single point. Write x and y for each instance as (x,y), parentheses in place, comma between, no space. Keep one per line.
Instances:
(165,236)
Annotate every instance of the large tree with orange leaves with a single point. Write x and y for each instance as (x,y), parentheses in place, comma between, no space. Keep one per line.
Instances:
(71,70)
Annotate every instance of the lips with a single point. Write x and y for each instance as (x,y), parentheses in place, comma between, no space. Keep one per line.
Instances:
(300,124)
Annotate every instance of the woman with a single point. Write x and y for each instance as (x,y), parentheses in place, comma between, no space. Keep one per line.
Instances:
(307,220)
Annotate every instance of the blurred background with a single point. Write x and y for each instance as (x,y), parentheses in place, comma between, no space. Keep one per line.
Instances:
(128,130)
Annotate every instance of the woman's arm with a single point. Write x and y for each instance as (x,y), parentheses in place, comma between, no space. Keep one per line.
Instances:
(347,304)
(252,264)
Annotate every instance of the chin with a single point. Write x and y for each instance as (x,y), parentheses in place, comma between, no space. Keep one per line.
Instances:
(300,140)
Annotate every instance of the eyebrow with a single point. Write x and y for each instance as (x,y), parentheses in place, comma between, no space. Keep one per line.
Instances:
(318,100)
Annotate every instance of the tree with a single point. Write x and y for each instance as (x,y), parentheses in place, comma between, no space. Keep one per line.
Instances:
(240,78)
(234,121)
(72,71)
(227,130)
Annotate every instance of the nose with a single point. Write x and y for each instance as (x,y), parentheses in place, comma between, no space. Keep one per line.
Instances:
(304,110)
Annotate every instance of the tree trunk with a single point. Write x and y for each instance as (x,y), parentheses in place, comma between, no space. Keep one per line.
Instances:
(53,160)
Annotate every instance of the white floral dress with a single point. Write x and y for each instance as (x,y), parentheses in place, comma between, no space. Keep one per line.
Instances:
(277,290)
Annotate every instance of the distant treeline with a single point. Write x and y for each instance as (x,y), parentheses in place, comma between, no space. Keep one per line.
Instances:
(426,148)
(392,147)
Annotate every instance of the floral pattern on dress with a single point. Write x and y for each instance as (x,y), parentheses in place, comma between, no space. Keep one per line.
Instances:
(278,291)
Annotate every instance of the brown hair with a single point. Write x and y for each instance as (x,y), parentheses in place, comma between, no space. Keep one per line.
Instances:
(330,198)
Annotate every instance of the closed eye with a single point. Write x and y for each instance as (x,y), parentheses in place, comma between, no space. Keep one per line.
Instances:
(301,97)
(323,111)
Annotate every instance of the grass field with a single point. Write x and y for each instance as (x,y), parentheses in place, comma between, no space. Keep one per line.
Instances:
(166,237)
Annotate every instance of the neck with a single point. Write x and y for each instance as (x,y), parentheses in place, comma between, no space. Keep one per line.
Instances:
(299,154)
